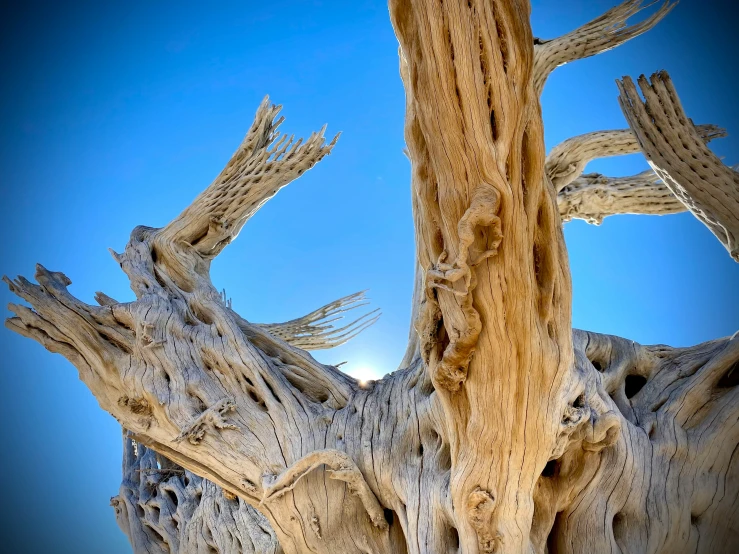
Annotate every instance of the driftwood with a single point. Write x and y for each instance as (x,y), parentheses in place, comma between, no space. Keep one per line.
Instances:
(503,429)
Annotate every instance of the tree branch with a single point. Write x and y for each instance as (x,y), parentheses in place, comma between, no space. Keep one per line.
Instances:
(178,363)
(593,197)
(677,153)
(568,159)
(265,162)
(599,35)
(315,331)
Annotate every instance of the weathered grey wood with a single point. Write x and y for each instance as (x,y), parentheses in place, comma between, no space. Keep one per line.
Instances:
(670,483)
(163,508)
(503,430)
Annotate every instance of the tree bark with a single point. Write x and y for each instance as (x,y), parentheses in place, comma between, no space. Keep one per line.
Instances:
(502,431)
(164,508)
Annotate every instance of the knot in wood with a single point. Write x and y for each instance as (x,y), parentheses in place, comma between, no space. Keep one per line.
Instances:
(480,508)
(212,418)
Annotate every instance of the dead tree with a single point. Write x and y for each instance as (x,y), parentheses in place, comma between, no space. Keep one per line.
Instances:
(503,430)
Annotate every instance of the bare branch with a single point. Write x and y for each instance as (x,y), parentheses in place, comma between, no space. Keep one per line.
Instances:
(677,153)
(593,196)
(315,331)
(568,159)
(265,162)
(599,35)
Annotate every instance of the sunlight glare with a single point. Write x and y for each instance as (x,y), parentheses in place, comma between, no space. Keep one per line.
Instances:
(363,373)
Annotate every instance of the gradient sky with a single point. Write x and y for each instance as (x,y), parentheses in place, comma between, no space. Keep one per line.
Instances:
(117,114)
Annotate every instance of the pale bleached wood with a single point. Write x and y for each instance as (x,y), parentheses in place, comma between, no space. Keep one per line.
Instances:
(674,149)
(599,35)
(163,508)
(486,218)
(499,433)
(663,411)
(670,483)
(593,197)
(566,161)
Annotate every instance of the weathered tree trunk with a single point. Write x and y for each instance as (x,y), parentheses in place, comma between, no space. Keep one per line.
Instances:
(164,508)
(503,430)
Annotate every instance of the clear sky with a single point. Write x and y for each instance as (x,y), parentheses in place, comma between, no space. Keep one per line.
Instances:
(117,114)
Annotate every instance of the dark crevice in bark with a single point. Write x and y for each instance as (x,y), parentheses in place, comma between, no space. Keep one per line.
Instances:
(633,384)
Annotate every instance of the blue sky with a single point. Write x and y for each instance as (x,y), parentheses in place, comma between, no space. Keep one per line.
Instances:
(117,114)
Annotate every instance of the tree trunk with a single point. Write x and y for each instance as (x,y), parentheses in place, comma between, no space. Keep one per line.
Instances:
(503,430)
(164,508)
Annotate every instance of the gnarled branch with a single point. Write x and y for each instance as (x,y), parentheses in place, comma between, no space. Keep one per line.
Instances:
(179,363)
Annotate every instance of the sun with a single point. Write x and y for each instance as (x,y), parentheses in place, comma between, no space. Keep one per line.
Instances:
(364,373)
